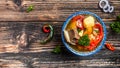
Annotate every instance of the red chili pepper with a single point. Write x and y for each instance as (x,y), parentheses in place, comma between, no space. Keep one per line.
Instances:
(94,43)
(46,29)
(100,35)
(109,46)
(79,21)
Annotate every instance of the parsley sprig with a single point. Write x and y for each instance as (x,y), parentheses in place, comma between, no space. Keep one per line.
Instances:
(57,50)
(115,26)
(30,8)
(84,40)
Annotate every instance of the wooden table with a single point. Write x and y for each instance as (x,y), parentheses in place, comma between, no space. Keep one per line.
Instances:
(14,20)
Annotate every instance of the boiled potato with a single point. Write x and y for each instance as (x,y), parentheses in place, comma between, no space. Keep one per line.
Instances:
(89,22)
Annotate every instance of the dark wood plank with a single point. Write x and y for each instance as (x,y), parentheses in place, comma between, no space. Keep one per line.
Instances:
(51,10)
(65,59)
(10,32)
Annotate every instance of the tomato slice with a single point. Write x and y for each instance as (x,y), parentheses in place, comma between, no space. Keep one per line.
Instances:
(78,17)
(79,24)
(79,21)
(109,46)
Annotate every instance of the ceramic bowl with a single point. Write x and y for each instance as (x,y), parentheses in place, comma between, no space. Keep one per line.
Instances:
(78,52)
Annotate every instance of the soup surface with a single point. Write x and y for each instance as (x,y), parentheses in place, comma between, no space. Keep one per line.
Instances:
(83,33)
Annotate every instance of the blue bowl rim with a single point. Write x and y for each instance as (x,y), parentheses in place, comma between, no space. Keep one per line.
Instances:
(84,53)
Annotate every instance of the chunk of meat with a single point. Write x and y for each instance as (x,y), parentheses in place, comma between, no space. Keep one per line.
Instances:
(71,36)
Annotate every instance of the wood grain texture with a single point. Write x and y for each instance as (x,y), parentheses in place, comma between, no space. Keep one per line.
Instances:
(51,10)
(10,32)
(40,56)
(14,20)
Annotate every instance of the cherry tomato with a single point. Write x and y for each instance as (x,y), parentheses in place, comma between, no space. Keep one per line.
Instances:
(109,46)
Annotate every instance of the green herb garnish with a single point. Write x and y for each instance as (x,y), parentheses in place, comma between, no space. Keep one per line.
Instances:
(84,40)
(97,31)
(30,8)
(115,26)
(57,50)
(78,30)
(118,17)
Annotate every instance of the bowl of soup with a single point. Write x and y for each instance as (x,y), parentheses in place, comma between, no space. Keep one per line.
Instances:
(83,33)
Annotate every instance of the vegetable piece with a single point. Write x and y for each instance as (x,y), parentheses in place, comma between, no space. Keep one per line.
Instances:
(118,17)
(109,46)
(95,33)
(79,21)
(88,30)
(84,40)
(57,50)
(81,33)
(91,37)
(96,41)
(71,25)
(79,30)
(30,8)
(49,37)
(78,17)
(76,21)
(115,27)
(79,24)
(46,29)
(89,22)
(100,34)
(96,30)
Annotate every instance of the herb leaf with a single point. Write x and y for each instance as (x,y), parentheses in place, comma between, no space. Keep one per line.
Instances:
(115,26)
(78,30)
(30,8)
(84,40)
(97,31)
(118,17)
(57,50)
